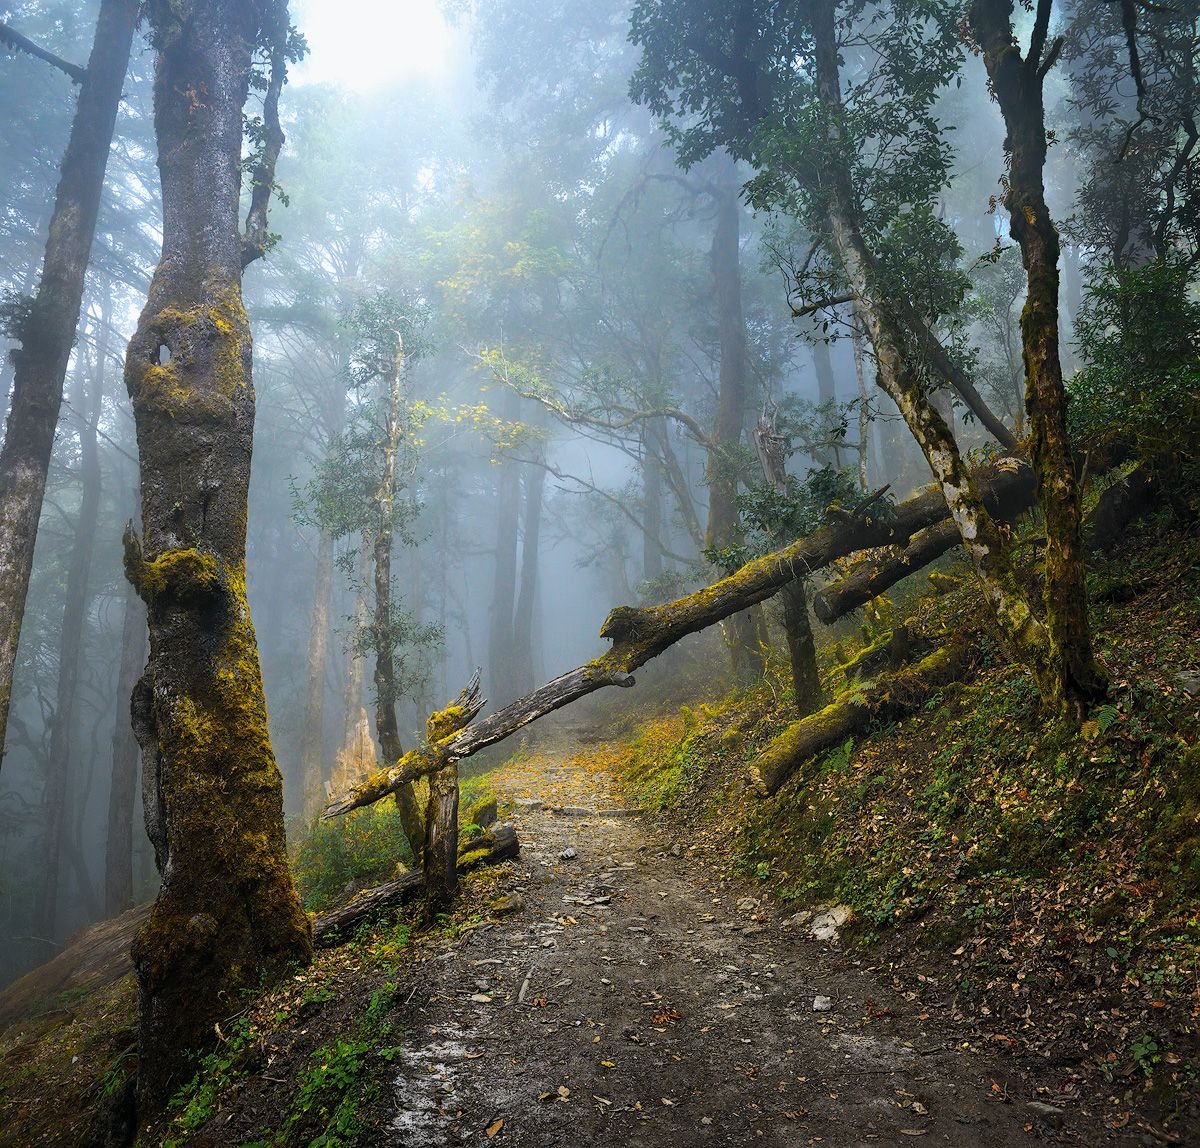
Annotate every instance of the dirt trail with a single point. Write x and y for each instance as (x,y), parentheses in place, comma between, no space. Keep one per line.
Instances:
(633,998)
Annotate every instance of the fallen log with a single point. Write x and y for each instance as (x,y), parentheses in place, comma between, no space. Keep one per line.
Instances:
(1118,506)
(500,844)
(641,633)
(890,696)
(1006,496)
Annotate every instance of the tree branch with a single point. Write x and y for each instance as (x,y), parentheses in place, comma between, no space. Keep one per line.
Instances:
(639,634)
(19,43)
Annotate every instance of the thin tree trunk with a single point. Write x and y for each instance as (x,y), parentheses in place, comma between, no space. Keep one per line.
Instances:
(227,917)
(724,524)
(864,412)
(504,584)
(312,739)
(122,794)
(352,697)
(797,626)
(40,365)
(652,515)
(62,723)
(826,395)
(1074,679)
(382,625)
(535,484)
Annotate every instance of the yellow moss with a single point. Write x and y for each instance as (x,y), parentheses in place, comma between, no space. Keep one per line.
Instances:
(208,365)
(445,723)
(184,573)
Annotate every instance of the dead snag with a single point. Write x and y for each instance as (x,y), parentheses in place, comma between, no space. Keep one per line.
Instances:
(890,696)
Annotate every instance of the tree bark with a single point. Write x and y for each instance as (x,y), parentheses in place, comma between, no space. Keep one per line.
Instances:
(440,859)
(501,639)
(797,627)
(523,614)
(62,724)
(1021,630)
(227,917)
(352,698)
(40,365)
(312,739)
(1072,678)
(118,848)
(1007,495)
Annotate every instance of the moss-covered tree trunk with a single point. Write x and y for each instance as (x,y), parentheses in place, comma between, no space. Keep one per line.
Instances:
(122,792)
(1074,677)
(382,623)
(227,917)
(1020,628)
(48,331)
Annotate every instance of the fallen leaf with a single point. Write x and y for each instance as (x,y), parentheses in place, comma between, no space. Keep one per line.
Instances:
(494,1129)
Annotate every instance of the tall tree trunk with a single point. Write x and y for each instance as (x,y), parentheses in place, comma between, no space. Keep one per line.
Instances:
(40,365)
(352,697)
(652,505)
(122,794)
(724,525)
(523,615)
(70,649)
(504,581)
(826,394)
(1021,630)
(382,624)
(312,739)
(227,917)
(864,411)
(1075,680)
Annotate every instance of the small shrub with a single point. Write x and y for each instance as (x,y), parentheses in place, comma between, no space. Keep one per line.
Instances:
(363,848)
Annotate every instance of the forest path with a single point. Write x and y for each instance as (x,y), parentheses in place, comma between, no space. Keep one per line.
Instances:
(634,997)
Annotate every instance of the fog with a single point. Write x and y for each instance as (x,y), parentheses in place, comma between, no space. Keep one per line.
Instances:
(477,177)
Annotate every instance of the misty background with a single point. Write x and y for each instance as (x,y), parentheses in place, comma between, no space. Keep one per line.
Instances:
(481,172)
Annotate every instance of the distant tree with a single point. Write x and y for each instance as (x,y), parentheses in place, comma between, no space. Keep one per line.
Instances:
(227,916)
(363,489)
(45,323)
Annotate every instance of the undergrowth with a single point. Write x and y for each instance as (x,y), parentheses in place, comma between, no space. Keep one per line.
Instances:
(1027,862)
